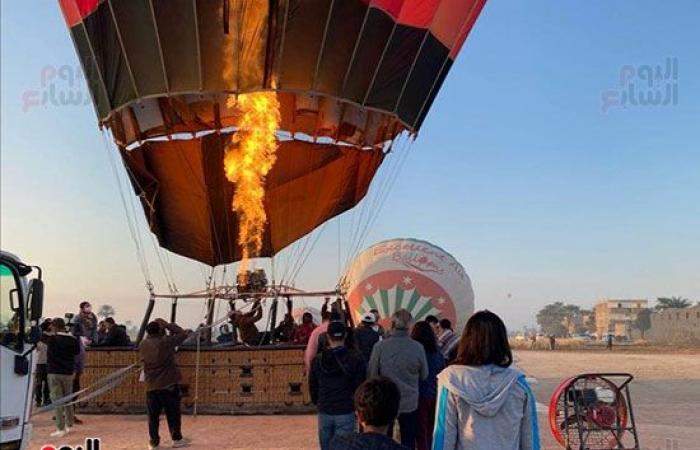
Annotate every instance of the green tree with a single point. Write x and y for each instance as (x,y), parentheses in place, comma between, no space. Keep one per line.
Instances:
(590,322)
(643,321)
(557,318)
(105,311)
(671,302)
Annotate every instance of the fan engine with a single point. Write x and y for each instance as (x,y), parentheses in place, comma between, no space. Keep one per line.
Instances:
(594,412)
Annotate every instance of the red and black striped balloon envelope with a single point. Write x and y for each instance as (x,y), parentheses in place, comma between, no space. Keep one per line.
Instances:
(350,76)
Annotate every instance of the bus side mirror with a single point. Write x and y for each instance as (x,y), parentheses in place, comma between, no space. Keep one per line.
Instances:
(36,299)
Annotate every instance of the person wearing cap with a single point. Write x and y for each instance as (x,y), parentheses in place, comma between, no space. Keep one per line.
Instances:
(366,336)
(334,376)
(377,326)
(403,361)
(62,348)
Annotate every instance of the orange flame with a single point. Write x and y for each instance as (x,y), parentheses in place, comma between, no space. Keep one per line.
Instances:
(248,159)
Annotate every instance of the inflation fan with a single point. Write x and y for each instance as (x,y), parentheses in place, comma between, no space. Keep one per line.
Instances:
(594,412)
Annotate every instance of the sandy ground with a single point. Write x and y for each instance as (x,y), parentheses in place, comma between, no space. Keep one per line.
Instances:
(666,396)
(665,392)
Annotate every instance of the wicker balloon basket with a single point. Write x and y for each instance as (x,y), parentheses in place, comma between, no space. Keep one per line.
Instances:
(264,380)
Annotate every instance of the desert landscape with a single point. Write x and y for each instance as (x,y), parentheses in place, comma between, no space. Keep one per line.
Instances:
(665,395)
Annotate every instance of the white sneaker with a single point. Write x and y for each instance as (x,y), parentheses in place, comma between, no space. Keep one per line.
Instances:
(69,429)
(184,442)
(58,433)
(153,447)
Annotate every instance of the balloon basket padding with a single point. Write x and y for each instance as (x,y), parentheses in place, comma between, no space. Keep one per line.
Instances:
(236,381)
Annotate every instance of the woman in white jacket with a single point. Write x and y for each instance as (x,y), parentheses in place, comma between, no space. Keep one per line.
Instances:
(483,403)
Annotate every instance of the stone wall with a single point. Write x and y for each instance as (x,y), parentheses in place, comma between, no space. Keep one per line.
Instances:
(675,325)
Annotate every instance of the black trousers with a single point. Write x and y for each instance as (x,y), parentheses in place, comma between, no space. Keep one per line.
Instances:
(168,400)
(76,380)
(408,429)
(41,387)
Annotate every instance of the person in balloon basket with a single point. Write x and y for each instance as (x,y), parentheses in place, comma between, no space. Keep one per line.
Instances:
(85,323)
(286,329)
(483,403)
(303,331)
(335,375)
(245,322)
(376,407)
(403,360)
(116,335)
(162,378)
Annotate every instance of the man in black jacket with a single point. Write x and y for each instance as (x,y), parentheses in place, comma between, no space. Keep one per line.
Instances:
(62,348)
(366,336)
(335,374)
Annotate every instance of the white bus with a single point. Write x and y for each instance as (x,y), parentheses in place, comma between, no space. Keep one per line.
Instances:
(21,297)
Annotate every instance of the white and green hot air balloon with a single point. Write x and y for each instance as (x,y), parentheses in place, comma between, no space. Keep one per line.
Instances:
(410,274)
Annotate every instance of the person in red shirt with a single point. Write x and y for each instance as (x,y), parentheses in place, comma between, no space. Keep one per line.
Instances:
(303,331)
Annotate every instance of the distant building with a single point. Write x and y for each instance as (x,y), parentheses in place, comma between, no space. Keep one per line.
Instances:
(675,325)
(617,316)
(577,324)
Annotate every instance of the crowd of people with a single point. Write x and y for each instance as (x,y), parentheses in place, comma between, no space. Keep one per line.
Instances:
(444,391)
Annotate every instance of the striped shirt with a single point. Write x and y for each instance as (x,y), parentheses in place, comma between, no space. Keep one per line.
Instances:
(447,342)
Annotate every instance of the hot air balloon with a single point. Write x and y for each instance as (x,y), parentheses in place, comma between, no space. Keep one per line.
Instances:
(167,79)
(409,274)
(244,126)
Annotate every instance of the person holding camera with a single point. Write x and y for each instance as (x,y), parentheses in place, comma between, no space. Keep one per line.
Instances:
(163,378)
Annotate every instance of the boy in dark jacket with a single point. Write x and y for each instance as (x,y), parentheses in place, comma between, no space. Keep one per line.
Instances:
(334,376)
(377,405)
(62,348)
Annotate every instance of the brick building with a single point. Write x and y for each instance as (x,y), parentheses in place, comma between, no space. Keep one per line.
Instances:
(617,316)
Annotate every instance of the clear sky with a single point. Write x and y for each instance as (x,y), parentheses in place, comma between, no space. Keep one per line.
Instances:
(518,171)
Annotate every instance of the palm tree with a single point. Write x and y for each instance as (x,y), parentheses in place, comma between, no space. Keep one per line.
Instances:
(671,302)
(643,321)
